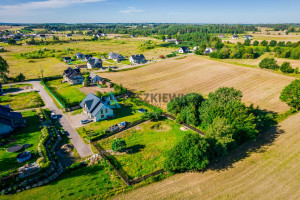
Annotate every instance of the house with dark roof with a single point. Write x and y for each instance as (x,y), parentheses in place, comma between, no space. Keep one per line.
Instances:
(139,58)
(73,76)
(67,59)
(248,37)
(184,49)
(209,50)
(94,78)
(9,120)
(87,57)
(94,63)
(42,36)
(79,55)
(235,37)
(96,109)
(69,35)
(115,56)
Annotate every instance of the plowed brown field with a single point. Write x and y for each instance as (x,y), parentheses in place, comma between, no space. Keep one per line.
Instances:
(196,74)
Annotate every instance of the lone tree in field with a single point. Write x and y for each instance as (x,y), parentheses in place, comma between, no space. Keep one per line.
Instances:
(255,43)
(118,145)
(247,42)
(291,94)
(286,68)
(3,69)
(269,63)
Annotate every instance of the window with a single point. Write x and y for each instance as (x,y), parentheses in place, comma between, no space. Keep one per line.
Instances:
(101,111)
(106,110)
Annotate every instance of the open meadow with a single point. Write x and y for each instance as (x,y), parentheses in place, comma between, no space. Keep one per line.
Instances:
(197,74)
(269,172)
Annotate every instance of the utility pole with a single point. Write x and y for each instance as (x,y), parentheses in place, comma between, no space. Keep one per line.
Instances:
(42,70)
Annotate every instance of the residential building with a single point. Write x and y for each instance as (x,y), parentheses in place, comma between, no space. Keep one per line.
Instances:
(69,35)
(42,36)
(79,55)
(235,37)
(67,59)
(9,120)
(139,58)
(94,78)
(115,56)
(73,76)
(184,49)
(209,50)
(94,63)
(87,57)
(221,36)
(96,109)
(248,37)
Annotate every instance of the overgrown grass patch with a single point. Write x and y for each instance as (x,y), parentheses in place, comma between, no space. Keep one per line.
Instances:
(148,144)
(23,100)
(69,94)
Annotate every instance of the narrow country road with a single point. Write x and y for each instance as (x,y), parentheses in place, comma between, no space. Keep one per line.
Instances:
(82,148)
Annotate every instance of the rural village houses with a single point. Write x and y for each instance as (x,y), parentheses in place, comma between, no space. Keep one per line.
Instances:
(115,56)
(67,59)
(94,63)
(172,41)
(9,120)
(235,37)
(73,76)
(139,58)
(184,49)
(94,78)
(95,108)
(209,50)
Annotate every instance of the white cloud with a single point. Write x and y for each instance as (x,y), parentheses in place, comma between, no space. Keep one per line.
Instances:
(23,8)
(131,10)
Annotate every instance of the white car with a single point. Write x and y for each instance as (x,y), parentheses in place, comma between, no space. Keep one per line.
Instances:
(53,115)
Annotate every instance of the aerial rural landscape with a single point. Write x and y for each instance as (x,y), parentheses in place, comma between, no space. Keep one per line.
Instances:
(132,106)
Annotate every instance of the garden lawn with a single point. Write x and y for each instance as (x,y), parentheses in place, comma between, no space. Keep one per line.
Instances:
(149,143)
(83,183)
(69,94)
(23,100)
(128,112)
(26,135)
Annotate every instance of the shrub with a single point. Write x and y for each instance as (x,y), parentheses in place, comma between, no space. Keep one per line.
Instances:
(286,68)
(291,94)
(118,145)
(269,63)
(190,154)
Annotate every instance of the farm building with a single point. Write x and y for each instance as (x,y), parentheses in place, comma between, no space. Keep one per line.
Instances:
(94,63)
(115,56)
(139,58)
(184,49)
(235,37)
(73,76)
(9,120)
(67,59)
(172,41)
(95,108)
(79,55)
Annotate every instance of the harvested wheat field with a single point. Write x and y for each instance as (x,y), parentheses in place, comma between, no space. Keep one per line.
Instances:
(197,74)
(270,172)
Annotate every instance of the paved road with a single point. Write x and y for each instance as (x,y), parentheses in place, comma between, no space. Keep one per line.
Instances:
(82,148)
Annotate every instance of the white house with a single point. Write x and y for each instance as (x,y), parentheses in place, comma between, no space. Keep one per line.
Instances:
(184,50)
(209,50)
(172,41)
(94,63)
(140,58)
(96,109)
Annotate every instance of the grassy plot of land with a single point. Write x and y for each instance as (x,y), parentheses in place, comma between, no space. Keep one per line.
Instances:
(148,142)
(197,74)
(268,172)
(69,94)
(23,100)
(84,183)
(25,135)
(128,112)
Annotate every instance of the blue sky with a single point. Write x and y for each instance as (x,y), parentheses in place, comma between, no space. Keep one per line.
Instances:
(161,11)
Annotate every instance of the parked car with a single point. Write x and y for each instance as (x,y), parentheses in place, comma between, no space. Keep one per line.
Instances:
(85,121)
(122,125)
(53,115)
